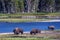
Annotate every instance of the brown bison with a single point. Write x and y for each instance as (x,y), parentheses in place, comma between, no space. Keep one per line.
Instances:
(51,27)
(34,31)
(18,30)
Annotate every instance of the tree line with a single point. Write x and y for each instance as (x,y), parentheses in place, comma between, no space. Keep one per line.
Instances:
(29,6)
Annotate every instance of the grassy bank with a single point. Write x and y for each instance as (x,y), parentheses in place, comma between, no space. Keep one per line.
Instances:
(22,20)
(27,14)
(16,17)
(45,36)
(24,14)
(24,39)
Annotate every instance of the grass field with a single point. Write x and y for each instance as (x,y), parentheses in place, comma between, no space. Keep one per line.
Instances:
(11,18)
(24,39)
(22,20)
(16,17)
(19,14)
(26,36)
(33,14)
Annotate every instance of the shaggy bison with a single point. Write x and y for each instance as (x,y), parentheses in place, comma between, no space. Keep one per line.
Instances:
(18,30)
(34,31)
(51,27)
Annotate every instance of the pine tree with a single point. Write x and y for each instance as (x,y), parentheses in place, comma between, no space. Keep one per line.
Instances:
(51,5)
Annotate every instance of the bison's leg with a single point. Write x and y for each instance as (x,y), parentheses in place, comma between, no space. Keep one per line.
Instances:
(32,33)
(16,33)
(21,32)
(52,28)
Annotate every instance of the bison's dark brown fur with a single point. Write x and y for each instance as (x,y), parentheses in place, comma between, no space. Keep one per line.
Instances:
(51,27)
(34,31)
(18,30)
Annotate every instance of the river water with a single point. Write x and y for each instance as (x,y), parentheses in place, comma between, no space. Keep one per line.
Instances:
(27,26)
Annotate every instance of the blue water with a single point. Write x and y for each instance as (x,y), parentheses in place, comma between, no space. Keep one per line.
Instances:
(27,26)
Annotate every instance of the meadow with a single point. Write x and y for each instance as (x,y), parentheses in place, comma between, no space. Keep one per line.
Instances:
(16,17)
(24,39)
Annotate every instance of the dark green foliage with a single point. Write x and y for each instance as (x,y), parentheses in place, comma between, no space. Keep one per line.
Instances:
(29,6)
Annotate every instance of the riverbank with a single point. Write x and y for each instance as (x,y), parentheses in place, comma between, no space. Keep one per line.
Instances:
(28,20)
(29,17)
(44,34)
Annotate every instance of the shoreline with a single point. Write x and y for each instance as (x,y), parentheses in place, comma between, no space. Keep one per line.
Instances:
(13,33)
(28,20)
(51,21)
(42,32)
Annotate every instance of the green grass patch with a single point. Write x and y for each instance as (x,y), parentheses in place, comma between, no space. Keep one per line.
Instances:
(53,14)
(27,14)
(23,14)
(16,17)
(24,39)
(22,20)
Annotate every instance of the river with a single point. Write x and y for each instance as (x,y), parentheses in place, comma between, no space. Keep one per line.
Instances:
(27,26)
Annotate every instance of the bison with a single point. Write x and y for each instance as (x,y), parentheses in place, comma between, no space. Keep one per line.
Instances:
(18,30)
(34,31)
(51,27)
